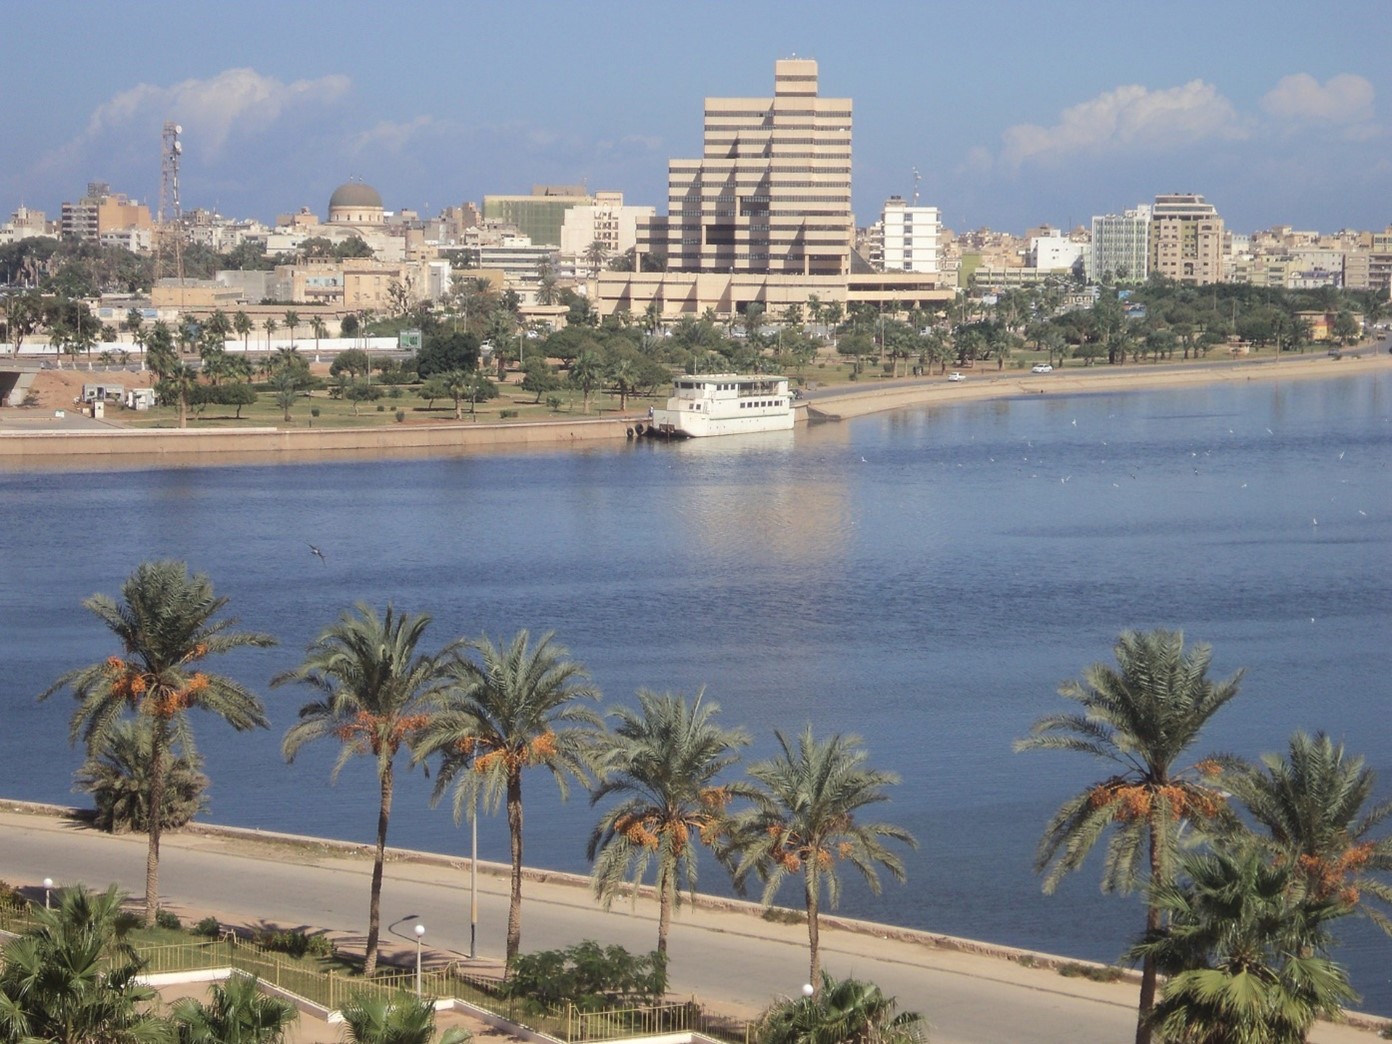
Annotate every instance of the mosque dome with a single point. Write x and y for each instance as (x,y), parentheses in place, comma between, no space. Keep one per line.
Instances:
(355,194)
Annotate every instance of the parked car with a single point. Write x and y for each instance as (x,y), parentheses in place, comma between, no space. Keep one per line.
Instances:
(955,376)
(1041,368)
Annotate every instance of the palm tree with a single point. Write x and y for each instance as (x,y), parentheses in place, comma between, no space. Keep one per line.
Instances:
(375,689)
(319,328)
(517,707)
(403,1019)
(804,822)
(241,322)
(1242,951)
(1312,804)
(587,374)
(1141,719)
(623,374)
(117,776)
(292,320)
(845,1011)
(74,977)
(270,326)
(663,760)
(167,624)
(238,1013)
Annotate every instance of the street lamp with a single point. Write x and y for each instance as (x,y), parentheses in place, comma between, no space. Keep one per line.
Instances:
(420,934)
(808,989)
(473,877)
(48,888)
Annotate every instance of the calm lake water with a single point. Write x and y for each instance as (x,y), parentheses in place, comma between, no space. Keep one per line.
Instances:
(924,579)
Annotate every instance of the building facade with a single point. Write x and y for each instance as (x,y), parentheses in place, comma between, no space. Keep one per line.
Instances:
(1186,239)
(102,210)
(1120,248)
(907,240)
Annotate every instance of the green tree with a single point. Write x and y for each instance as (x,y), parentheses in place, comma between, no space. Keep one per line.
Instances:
(516,706)
(75,979)
(539,378)
(375,687)
(804,821)
(663,760)
(236,1013)
(1313,805)
(270,326)
(241,322)
(118,778)
(587,374)
(353,361)
(1140,719)
(1241,948)
(319,328)
(624,377)
(371,1018)
(167,623)
(292,320)
(844,1011)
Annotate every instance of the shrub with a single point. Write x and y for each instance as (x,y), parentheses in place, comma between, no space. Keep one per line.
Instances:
(590,976)
(400,416)
(168,919)
(117,777)
(209,927)
(553,403)
(505,414)
(314,411)
(295,943)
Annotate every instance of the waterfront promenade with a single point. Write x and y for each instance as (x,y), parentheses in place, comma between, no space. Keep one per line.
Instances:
(725,954)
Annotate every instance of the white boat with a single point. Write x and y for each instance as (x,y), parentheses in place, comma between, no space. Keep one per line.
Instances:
(723,404)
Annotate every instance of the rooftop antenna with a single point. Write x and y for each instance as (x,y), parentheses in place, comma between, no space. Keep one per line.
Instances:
(917,178)
(169,251)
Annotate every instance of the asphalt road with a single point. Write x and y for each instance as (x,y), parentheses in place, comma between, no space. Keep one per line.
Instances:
(731,960)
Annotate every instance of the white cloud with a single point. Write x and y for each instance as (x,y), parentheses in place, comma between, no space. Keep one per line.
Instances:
(1342,99)
(1128,118)
(390,136)
(235,100)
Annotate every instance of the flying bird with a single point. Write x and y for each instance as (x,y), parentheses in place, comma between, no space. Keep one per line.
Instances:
(318,554)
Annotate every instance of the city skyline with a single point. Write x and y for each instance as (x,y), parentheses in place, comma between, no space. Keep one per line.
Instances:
(1033,114)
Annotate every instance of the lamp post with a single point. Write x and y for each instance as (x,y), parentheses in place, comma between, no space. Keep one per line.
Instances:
(420,934)
(473,877)
(48,888)
(808,989)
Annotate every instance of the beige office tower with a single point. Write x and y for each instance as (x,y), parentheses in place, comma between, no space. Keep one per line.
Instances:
(771,193)
(1186,239)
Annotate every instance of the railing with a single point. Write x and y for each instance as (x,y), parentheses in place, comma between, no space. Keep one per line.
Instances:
(331,989)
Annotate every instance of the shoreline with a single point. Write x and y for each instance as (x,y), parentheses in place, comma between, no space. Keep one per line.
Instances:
(565,887)
(26,443)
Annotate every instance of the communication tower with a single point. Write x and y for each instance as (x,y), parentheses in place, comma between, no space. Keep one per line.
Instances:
(169,249)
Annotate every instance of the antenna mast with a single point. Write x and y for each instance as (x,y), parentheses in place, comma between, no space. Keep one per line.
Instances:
(917,178)
(169,234)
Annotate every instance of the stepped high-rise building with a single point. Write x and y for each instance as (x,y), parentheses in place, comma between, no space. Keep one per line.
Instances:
(764,215)
(771,192)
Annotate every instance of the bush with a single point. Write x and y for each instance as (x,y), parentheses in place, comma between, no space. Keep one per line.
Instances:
(1073,970)
(314,411)
(400,416)
(589,976)
(209,927)
(117,777)
(381,408)
(553,403)
(295,943)
(168,919)
(505,414)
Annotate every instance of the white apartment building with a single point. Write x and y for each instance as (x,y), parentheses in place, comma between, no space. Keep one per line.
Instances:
(1120,246)
(1054,252)
(908,238)
(606,222)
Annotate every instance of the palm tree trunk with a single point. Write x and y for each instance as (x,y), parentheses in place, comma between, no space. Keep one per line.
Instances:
(374,908)
(814,934)
(159,743)
(514,814)
(1148,964)
(664,910)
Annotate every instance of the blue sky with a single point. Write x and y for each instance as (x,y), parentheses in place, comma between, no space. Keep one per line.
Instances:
(1014,113)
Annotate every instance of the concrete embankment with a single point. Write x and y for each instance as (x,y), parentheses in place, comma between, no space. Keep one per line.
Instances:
(198,444)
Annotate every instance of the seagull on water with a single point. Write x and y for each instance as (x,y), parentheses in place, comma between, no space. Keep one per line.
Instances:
(318,554)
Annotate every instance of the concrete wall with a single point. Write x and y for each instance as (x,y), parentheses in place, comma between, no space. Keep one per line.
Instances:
(84,446)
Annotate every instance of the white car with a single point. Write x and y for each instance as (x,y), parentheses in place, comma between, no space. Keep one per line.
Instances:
(955,376)
(1041,368)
